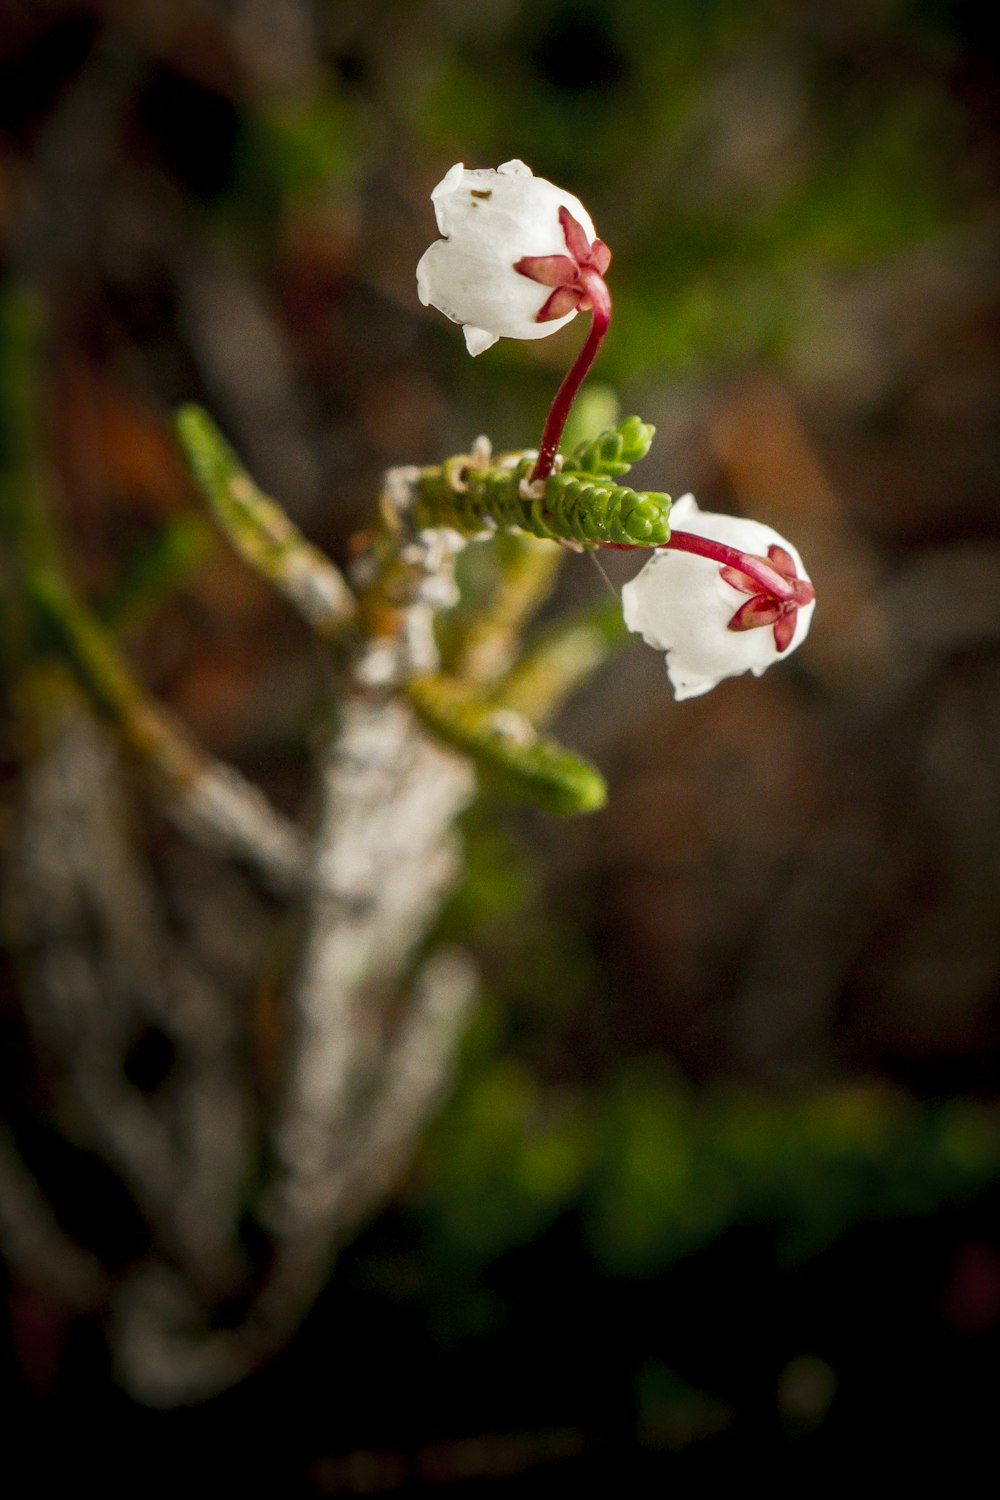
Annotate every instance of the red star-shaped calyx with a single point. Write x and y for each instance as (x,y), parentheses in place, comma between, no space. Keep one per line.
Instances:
(777,593)
(568,274)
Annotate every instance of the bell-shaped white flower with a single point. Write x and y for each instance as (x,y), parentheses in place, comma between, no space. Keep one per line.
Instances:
(514,255)
(712,617)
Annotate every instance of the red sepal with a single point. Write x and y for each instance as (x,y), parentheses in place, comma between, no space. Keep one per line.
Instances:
(760,610)
(564,299)
(600,257)
(740,580)
(781,561)
(550,270)
(784,629)
(575,236)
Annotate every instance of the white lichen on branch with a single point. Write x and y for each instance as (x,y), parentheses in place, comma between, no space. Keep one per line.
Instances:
(370,1022)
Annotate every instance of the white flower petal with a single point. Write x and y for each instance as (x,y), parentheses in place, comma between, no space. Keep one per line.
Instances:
(477,340)
(448,184)
(681,604)
(452,279)
(491,220)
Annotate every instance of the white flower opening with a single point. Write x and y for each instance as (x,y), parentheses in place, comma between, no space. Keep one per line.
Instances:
(683,604)
(493,222)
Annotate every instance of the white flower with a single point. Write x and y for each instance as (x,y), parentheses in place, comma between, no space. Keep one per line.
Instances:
(511,260)
(698,611)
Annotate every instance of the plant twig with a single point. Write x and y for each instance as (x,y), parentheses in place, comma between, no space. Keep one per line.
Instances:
(104,972)
(209,800)
(261,531)
(35,1244)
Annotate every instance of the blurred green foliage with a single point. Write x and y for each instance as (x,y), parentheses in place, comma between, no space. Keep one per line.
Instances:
(653,1168)
(659,1170)
(733,153)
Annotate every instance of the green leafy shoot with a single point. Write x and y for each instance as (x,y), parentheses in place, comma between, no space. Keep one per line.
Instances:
(508,749)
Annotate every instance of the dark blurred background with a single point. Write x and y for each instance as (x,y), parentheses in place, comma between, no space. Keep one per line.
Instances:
(719,1183)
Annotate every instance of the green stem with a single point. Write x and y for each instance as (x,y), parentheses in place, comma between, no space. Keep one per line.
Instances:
(567,507)
(261,531)
(521,761)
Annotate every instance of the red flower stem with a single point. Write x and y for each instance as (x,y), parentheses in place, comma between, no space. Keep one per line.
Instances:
(770,580)
(600,302)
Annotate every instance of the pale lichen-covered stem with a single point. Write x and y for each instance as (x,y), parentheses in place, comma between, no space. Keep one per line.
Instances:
(366,1047)
(415,1071)
(384,857)
(262,532)
(357,1082)
(165,1353)
(100,965)
(403,578)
